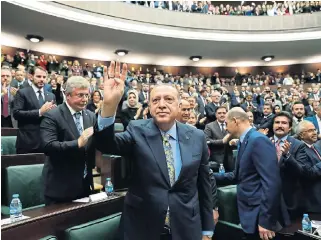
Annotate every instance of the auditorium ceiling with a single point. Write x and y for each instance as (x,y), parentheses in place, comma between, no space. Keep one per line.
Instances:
(70,38)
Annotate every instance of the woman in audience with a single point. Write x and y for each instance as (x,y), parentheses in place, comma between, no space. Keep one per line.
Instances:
(76,68)
(276,109)
(95,103)
(134,109)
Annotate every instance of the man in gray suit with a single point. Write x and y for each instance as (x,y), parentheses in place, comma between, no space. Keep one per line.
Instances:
(218,139)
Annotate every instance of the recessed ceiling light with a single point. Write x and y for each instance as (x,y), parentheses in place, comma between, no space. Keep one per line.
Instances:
(267,58)
(195,58)
(34,38)
(121,52)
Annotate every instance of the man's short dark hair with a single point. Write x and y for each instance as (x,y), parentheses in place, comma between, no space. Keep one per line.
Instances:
(268,104)
(296,103)
(284,114)
(220,107)
(33,70)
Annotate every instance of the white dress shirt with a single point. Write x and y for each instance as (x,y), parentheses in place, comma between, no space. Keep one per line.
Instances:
(36,90)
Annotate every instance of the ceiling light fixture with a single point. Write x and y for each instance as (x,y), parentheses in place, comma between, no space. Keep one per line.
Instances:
(267,58)
(121,52)
(34,38)
(195,58)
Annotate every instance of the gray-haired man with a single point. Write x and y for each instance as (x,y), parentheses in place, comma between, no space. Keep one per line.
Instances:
(66,140)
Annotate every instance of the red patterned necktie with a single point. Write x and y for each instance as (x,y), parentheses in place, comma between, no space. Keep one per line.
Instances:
(5,111)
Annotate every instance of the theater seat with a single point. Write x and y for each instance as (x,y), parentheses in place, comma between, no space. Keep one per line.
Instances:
(49,238)
(26,180)
(228,226)
(101,229)
(8,144)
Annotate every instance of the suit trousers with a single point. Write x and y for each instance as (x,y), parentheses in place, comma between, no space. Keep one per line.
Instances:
(86,186)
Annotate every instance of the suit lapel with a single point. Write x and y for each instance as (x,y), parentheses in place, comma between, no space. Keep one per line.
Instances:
(184,141)
(48,98)
(218,129)
(155,143)
(86,119)
(33,97)
(241,151)
(70,120)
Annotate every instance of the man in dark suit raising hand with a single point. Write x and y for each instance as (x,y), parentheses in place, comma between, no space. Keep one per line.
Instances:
(170,193)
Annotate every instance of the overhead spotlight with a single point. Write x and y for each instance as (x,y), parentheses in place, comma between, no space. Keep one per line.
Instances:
(267,58)
(34,38)
(121,52)
(195,58)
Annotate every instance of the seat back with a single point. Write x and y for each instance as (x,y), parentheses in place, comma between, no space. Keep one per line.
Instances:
(101,229)
(26,180)
(227,204)
(8,144)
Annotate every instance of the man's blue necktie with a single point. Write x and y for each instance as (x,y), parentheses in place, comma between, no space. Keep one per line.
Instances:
(80,130)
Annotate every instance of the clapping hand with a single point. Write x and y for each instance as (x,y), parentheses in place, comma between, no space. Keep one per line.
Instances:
(114,83)
(286,147)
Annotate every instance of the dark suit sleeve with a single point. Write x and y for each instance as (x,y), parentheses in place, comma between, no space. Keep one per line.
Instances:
(226,178)
(110,143)
(214,188)
(266,165)
(268,124)
(204,191)
(209,136)
(297,161)
(209,112)
(18,106)
(49,136)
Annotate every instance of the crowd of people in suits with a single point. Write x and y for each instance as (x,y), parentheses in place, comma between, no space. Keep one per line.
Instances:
(291,119)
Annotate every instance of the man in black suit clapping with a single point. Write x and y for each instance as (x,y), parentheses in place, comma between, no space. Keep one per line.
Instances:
(30,104)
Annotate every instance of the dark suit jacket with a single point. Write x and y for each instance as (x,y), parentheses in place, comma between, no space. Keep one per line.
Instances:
(210,112)
(308,111)
(290,170)
(141,97)
(267,123)
(259,185)
(201,107)
(14,83)
(311,180)
(314,120)
(220,152)
(65,162)
(26,112)
(150,192)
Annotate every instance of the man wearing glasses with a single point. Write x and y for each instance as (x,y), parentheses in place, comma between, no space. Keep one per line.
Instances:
(66,140)
(311,170)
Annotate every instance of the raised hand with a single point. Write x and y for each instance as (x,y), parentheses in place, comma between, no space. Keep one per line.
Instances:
(114,83)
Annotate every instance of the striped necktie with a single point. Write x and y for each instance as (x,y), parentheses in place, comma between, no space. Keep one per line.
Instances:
(80,130)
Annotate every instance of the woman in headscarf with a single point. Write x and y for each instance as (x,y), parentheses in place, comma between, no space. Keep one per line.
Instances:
(134,109)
